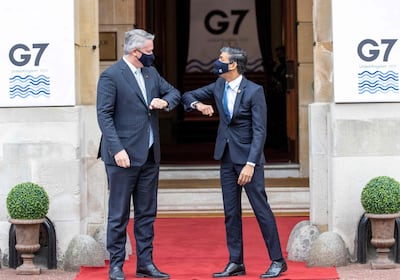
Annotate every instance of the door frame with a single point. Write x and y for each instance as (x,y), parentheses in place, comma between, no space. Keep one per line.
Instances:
(150,14)
(289,23)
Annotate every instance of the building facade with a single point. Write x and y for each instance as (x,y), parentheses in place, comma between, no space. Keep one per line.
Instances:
(335,148)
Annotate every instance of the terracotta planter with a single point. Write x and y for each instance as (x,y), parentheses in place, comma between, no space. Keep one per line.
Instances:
(27,237)
(382,229)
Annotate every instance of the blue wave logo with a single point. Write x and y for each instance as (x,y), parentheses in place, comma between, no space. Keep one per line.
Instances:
(378,81)
(195,65)
(29,86)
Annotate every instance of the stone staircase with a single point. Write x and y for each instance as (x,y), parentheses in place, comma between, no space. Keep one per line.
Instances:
(202,197)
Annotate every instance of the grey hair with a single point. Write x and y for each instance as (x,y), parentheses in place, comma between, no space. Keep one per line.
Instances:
(135,39)
(237,55)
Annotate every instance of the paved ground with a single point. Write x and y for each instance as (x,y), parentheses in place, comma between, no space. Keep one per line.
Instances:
(9,274)
(350,272)
(364,272)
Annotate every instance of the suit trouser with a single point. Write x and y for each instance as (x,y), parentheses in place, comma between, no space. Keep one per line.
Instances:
(139,183)
(232,194)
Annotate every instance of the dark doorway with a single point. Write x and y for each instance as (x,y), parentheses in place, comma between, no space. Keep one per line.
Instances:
(188,137)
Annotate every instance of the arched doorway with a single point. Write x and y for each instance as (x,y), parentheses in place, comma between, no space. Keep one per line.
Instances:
(188,137)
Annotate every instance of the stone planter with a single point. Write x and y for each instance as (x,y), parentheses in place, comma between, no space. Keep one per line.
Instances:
(27,243)
(382,229)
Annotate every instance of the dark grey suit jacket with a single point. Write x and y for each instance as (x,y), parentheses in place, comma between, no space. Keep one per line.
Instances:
(123,115)
(246,131)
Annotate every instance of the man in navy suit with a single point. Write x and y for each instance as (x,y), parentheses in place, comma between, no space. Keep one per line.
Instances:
(129,95)
(239,146)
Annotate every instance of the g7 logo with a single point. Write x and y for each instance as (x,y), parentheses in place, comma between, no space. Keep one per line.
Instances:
(24,59)
(223,25)
(374,53)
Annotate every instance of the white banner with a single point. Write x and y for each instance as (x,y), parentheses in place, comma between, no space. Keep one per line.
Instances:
(37,53)
(366,50)
(214,24)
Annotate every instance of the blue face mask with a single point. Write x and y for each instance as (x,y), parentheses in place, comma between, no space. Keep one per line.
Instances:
(220,67)
(147,59)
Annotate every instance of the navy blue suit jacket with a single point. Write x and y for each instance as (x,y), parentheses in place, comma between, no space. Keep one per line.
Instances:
(124,116)
(246,131)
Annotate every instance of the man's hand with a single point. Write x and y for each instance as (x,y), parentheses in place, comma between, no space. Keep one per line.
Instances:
(245,175)
(122,159)
(158,103)
(204,109)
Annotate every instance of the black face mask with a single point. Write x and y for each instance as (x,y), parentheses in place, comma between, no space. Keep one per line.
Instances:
(220,67)
(147,59)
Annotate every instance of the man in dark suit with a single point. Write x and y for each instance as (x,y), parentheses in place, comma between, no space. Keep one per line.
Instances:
(129,95)
(239,145)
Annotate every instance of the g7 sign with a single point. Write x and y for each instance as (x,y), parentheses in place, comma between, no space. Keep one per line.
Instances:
(376,49)
(223,25)
(24,59)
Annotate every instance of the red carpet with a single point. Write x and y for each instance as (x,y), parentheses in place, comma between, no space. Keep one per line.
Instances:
(194,248)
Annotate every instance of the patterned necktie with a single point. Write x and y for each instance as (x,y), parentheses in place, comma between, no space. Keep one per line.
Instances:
(225,102)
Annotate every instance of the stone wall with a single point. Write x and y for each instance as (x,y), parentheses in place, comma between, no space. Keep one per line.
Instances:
(349,143)
(55,147)
(364,143)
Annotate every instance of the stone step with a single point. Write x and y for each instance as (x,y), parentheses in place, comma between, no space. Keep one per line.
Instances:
(202,197)
(214,183)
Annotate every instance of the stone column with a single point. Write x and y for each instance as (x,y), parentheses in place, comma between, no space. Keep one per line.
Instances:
(318,114)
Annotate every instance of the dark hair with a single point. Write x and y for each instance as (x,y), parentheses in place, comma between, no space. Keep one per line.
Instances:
(237,55)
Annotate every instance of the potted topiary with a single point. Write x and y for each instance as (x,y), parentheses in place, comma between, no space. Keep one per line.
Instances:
(380,199)
(27,204)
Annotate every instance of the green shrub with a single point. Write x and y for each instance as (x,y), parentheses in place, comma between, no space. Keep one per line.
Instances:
(381,195)
(27,201)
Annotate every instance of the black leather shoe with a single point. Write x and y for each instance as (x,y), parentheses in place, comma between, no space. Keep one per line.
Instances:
(232,269)
(150,271)
(116,273)
(275,269)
